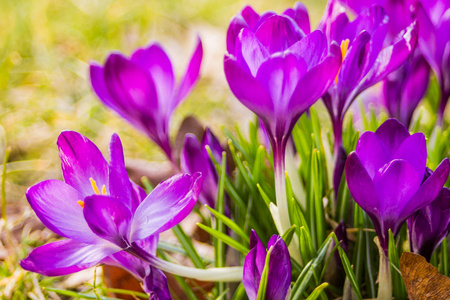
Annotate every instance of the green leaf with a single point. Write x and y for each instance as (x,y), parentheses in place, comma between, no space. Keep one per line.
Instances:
(349,271)
(219,247)
(225,238)
(265,274)
(317,291)
(398,287)
(186,242)
(228,222)
(287,236)
(77,295)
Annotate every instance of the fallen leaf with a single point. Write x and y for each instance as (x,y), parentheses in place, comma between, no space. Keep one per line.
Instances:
(422,280)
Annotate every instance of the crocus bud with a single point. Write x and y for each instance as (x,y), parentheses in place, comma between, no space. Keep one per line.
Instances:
(279,269)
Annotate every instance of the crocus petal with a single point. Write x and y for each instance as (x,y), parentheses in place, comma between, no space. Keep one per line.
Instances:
(279,275)
(65,257)
(371,152)
(312,48)
(414,150)
(361,186)
(250,16)
(55,204)
(251,50)
(390,58)
(132,87)
(281,75)
(108,217)
(392,134)
(167,205)
(278,33)
(190,76)
(119,183)
(157,63)
(138,195)
(254,266)
(300,15)
(428,191)
(353,66)
(313,85)
(193,161)
(396,183)
(97,76)
(247,89)
(80,161)
(427,37)
(155,284)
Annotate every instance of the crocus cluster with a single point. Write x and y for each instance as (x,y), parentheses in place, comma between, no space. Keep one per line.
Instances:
(143,91)
(279,269)
(102,214)
(366,58)
(385,176)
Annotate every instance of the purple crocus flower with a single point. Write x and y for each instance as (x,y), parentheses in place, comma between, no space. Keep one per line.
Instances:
(99,210)
(278,73)
(279,272)
(250,19)
(385,176)
(142,89)
(365,59)
(434,43)
(195,158)
(404,88)
(429,226)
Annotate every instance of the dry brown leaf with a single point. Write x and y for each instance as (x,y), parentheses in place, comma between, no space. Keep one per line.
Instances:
(422,280)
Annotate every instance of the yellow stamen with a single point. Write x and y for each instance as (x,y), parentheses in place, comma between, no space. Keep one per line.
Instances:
(103,190)
(344,48)
(80,203)
(94,186)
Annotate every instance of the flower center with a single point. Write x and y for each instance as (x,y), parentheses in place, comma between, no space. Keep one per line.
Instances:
(344,48)
(96,191)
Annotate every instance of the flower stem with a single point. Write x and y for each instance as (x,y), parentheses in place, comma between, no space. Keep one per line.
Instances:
(384,275)
(280,187)
(226,274)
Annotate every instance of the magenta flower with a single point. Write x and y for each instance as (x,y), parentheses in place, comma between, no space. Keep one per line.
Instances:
(142,89)
(385,176)
(366,60)
(278,73)
(434,43)
(99,210)
(429,226)
(251,20)
(404,88)
(195,158)
(279,272)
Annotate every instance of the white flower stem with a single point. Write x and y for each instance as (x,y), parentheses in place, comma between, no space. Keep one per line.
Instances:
(384,275)
(227,274)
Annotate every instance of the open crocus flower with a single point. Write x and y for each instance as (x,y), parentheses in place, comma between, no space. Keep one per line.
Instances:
(385,177)
(429,226)
(366,60)
(195,158)
(250,19)
(434,43)
(142,89)
(279,269)
(278,74)
(99,210)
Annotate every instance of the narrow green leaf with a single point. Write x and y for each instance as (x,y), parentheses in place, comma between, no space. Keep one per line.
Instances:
(444,258)
(147,185)
(263,195)
(317,291)
(349,271)
(239,293)
(225,238)
(77,295)
(188,246)
(219,247)
(265,274)
(259,164)
(287,236)
(228,222)
(398,288)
